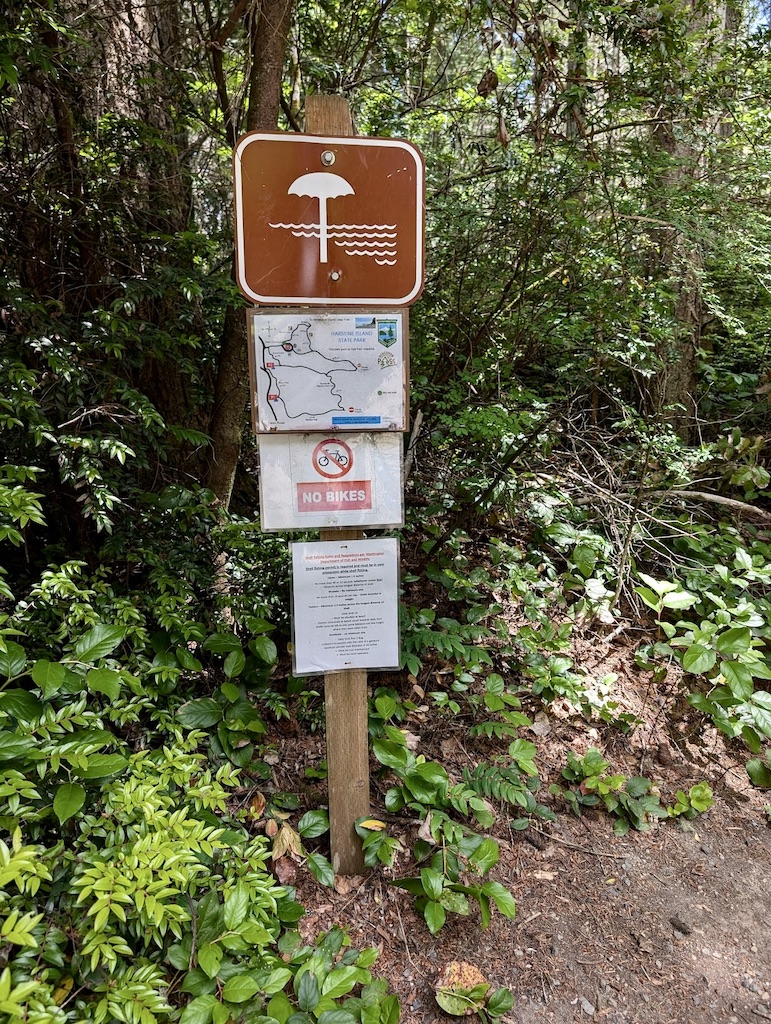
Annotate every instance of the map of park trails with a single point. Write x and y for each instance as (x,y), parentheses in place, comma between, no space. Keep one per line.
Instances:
(328,371)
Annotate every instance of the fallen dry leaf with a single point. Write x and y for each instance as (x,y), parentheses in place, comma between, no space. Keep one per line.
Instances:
(286,870)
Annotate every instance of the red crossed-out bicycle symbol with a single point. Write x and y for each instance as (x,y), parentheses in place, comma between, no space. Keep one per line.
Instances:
(332,458)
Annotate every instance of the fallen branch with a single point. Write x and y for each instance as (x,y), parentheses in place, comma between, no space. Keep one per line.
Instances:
(739,507)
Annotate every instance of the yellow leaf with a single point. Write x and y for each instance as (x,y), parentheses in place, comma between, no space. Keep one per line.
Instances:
(373,825)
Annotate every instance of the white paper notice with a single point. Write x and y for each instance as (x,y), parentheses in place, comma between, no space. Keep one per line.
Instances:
(346,605)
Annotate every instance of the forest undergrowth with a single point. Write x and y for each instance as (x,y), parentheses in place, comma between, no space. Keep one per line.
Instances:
(151,858)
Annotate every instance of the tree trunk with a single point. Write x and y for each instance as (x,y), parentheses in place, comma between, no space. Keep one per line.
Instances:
(231,390)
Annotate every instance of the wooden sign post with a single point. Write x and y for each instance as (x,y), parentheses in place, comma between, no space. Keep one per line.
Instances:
(345,693)
(341,217)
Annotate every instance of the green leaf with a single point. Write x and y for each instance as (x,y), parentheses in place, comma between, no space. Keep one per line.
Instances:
(308,992)
(265,649)
(337,1017)
(13,746)
(98,642)
(391,754)
(239,988)
(279,1008)
(637,786)
(435,916)
(432,882)
(321,869)
(101,765)
(234,664)
(313,824)
(501,897)
(385,706)
(737,640)
(276,980)
(48,675)
(455,1002)
(21,705)
(499,1002)
(341,981)
(698,659)
(390,1010)
(679,599)
(104,680)
(13,659)
(222,643)
(484,857)
(236,908)
(209,958)
(759,773)
(738,677)
(200,713)
(585,559)
(199,1010)
(68,800)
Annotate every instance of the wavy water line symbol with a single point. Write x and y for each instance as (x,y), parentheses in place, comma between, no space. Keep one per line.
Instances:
(377,241)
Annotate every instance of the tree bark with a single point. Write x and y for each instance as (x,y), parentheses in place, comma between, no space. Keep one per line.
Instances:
(231,391)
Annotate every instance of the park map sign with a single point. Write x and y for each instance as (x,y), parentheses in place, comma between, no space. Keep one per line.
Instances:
(328,221)
(327,371)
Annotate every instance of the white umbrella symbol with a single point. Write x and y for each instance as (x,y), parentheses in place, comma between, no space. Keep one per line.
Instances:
(321,185)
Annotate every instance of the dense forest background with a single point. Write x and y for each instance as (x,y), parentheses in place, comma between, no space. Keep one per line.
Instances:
(590,362)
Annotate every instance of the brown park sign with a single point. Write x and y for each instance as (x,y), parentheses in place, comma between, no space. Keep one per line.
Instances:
(328,221)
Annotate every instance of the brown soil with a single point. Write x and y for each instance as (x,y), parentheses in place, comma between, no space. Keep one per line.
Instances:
(670,925)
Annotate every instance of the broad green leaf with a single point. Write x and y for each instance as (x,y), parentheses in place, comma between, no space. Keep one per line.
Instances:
(321,869)
(265,649)
(649,597)
(101,765)
(239,988)
(48,675)
(197,983)
(585,559)
(679,599)
(391,754)
(485,856)
(432,882)
(69,798)
(308,993)
(236,908)
(390,1010)
(222,643)
(455,902)
(234,664)
(104,680)
(759,773)
(13,659)
(21,705)
(698,659)
(501,897)
(337,1017)
(499,1002)
(341,981)
(280,1008)
(199,1010)
(738,677)
(435,916)
(98,642)
(210,958)
(455,1002)
(313,824)
(385,706)
(276,980)
(737,640)
(200,713)
(13,746)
